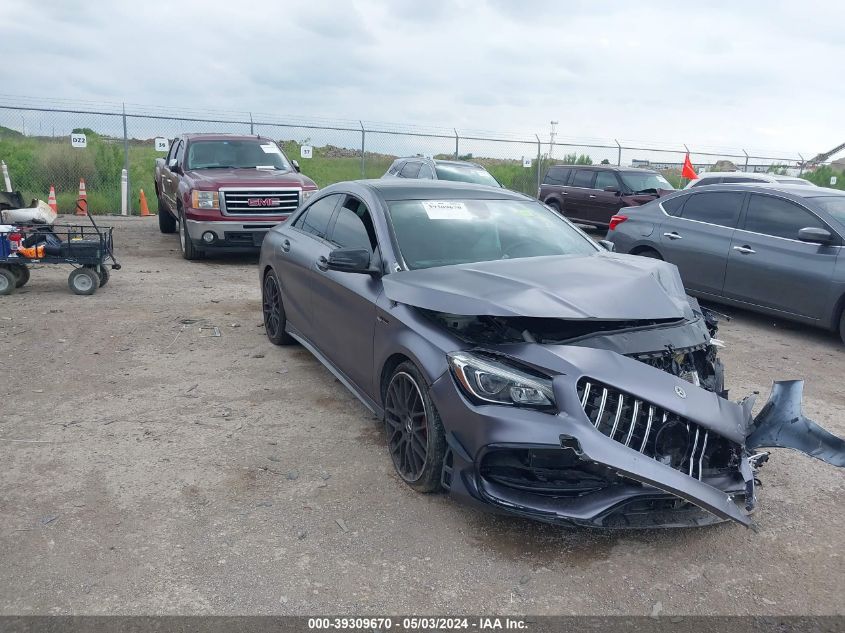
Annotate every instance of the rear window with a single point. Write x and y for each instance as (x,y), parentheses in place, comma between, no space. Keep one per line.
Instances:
(672,206)
(583,178)
(557,176)
(466,173)
(715,207)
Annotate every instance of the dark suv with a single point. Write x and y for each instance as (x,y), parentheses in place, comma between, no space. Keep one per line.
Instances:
(436,169)
(592,194)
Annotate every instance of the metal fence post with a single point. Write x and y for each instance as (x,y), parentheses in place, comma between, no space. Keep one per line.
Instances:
(539,154)
(801,166)
(126,163)
(746,160)
(618,153)
(363,146)
(456,143)
(251,129)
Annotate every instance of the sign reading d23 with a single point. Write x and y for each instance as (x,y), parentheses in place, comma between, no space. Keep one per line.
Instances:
(78,140)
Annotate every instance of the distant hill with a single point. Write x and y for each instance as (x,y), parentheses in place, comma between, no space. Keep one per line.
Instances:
(6,132)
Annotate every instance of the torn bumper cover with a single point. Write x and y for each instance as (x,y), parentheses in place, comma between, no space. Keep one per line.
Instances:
(629,445)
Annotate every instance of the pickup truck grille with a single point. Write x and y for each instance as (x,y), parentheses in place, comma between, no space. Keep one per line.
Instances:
(653,431)
(260,201)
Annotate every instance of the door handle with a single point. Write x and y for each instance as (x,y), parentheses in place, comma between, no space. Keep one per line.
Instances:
(592,195)
(286,246)
(673,236)
(745,250)
(322,263)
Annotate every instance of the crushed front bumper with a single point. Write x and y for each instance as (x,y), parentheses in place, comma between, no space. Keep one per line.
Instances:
(565,468)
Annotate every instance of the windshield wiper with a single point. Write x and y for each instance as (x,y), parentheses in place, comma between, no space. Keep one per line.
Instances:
(218,167)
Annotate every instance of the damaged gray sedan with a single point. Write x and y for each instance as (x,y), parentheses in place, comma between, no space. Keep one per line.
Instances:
(518,365)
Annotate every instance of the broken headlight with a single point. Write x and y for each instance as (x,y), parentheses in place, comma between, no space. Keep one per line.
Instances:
(489,380)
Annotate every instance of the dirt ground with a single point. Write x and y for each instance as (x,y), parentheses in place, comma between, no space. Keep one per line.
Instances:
(147,466)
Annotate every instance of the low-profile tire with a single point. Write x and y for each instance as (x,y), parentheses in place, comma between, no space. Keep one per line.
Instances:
(415,437)
(189,251)
(166,221)
(649,252)
(8,282)
(274,311)
(83,281)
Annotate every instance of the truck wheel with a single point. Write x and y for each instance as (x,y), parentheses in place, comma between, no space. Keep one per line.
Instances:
(7,281)
(189,251)
(555,206)
(274,311)
(166,221)
(83,281)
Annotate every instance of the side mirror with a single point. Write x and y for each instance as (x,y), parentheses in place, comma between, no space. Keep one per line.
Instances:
(295,165)
(815,235)
(171,163)
(351,260)
(607,245)
(611,189)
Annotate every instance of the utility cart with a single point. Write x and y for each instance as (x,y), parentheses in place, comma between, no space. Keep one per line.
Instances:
(87,249)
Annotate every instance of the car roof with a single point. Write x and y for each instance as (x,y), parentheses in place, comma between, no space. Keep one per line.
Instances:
(440,161)
(415,189)
(225,137)
(798,191)
(632,170)
(719,174)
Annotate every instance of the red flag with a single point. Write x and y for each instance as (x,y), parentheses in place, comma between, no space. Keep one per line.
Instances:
(688,171)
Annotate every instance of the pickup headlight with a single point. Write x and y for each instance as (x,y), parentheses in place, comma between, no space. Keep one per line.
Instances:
(488,380)
(205,199)
(307,193)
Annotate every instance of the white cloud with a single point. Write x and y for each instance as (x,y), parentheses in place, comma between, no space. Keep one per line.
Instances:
(724,73)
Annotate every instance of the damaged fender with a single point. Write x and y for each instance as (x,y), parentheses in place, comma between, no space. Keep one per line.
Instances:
(781,424)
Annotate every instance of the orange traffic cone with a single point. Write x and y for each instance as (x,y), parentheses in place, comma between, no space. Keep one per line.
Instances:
(82,200)
(145,211)
(51,200)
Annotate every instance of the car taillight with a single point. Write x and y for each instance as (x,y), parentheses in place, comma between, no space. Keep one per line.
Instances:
(616,220)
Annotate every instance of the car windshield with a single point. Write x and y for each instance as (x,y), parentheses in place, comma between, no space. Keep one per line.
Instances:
(242,154)
(834,205)
(445,232)
(645,182)
(465,173)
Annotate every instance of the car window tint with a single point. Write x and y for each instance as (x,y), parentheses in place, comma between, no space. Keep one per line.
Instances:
(354,226)
(583,178)
(557,176)
(410,170)
(606,179)
(172,152)
(179,151)
(316,218)
(728,179)
(716,207)
(672,206)
(778,217)
(425,172)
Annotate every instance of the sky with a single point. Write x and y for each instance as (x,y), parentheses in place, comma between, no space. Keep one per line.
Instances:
(753,74)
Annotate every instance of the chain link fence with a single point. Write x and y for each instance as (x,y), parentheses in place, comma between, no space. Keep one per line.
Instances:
(35,144)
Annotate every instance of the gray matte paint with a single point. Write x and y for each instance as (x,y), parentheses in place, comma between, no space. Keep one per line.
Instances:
(356,324)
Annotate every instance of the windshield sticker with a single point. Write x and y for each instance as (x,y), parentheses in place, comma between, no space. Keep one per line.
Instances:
(446,210)
(270,148)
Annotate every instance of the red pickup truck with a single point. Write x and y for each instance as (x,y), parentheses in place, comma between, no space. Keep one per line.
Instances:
(225,191)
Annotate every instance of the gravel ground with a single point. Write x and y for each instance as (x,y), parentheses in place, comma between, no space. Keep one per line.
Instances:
(149,467)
